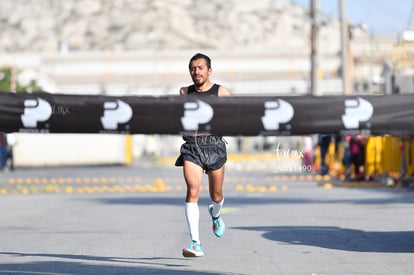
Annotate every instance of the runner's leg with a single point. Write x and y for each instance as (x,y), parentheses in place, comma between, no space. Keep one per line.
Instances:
(216,193)
(216,178)
(192,175)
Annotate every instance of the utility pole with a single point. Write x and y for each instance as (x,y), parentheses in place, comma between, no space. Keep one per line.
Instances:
(314,15)
(344,48)
(13,73)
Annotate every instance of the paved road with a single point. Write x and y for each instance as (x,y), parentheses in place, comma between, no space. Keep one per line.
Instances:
(129,220)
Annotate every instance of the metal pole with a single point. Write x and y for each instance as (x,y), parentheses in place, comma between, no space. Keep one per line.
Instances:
(13,73)
(344,48)
(314,11)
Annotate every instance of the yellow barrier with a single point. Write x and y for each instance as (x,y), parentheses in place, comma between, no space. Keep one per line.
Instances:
(128,149)
(384,155)
(374,155)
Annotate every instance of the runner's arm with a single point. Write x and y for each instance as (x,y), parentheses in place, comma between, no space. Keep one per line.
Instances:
(223,91)
(183,90)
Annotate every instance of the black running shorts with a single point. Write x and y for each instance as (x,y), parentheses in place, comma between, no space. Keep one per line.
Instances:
(209,154)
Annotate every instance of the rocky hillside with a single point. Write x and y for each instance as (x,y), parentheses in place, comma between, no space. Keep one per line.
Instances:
(95,25)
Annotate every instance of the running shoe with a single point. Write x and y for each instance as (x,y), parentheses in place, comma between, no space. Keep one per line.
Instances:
(193,250)
(218,224)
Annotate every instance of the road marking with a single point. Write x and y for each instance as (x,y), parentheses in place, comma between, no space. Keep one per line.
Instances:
(272,188)
(328,185)
(94,184)
(227,210)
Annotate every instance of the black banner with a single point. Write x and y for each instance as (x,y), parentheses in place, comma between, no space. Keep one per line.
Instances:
(230,116)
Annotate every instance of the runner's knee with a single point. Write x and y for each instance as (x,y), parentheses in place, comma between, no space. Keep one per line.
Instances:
(216,196)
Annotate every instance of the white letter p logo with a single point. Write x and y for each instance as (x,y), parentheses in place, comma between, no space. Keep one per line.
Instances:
(196,113)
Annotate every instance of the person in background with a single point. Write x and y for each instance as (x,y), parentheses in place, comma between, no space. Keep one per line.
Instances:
(402,147)
(324,141)
(307,151)
(358,156)
(11,141)
(3,150)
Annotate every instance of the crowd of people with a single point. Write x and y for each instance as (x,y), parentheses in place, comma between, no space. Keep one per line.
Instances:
(361,158)
(352,157)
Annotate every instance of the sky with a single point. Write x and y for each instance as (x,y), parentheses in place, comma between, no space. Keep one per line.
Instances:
(389,17)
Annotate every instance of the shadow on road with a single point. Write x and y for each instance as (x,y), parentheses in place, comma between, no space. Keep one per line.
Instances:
(242,200)
(85,264)
(339,238)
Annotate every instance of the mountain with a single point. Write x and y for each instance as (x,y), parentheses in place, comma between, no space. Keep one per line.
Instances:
(133,25)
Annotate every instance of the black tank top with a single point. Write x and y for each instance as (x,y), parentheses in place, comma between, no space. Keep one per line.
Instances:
(213,91)
(191,91)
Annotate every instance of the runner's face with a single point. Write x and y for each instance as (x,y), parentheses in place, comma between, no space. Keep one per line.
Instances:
(199,72)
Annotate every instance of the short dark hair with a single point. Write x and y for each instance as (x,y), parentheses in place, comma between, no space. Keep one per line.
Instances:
(200,56)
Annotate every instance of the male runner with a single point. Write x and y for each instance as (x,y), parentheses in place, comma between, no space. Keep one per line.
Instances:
(202,151)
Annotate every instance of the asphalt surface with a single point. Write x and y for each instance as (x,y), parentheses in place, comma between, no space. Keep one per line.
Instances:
(130,220)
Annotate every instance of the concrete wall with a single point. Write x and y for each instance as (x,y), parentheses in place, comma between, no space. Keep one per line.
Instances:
(34,150)
(70,149)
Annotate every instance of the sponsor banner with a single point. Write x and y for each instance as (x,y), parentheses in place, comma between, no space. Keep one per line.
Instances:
(231,116)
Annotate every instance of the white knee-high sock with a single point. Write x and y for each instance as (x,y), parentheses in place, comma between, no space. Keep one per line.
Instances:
(216,208)
(192,213)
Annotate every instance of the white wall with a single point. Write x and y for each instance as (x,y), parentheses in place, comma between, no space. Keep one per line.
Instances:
(68,149)
(33,150)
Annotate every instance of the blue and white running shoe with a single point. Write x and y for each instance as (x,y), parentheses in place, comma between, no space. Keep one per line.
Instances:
(193,250)
(218,224)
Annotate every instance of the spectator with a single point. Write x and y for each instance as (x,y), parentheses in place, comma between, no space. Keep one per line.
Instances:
(403,170)
(324,141)
(308,151)
(11,141)
(357,156)
(346,160)
(3,150)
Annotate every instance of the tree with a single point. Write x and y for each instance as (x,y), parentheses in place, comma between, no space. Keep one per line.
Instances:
(5,80)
